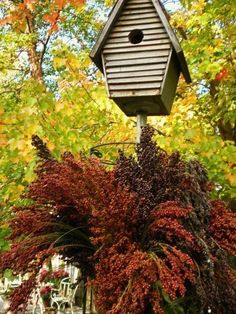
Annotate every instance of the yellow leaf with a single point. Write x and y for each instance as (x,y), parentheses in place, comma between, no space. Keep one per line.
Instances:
(20,144)
(59,62)
(59,106)
(50,146)
(232,178)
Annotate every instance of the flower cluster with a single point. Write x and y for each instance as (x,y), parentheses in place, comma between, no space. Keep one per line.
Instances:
(174,210)
(176,268)
(222,227)
(46,275)
(59,274)
(45,291)
(146,232)
(167,223)
(131,273)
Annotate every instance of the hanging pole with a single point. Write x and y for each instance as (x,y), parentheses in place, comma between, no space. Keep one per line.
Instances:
(141,121)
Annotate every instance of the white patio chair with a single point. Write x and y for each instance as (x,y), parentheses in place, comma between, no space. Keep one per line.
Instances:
(64,296)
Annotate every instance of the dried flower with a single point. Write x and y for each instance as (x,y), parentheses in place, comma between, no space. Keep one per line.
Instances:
(146,232)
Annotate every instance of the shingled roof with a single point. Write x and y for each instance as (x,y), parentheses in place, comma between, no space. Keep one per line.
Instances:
(113,17)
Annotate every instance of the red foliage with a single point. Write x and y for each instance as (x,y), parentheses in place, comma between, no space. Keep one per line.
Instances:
(143,230)
(52,18)
(222,75)
(124,279)
(21,295)
(167,222)
(223,227)
(175,269)
(26,8)
(55,12)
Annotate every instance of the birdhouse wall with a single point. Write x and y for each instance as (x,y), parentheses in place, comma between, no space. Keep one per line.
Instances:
(170,83)
(154,105)
(136,52)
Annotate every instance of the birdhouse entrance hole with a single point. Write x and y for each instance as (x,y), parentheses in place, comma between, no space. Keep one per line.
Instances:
(140,57)
(135,36)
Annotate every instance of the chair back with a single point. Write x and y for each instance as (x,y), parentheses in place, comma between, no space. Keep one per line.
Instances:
(67,289)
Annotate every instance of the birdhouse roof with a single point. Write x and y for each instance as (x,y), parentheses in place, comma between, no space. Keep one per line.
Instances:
(114,15)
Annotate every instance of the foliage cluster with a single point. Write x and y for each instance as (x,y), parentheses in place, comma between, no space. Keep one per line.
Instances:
(52,94)
(203,121)
(46,275)
(146,232)
(45,292)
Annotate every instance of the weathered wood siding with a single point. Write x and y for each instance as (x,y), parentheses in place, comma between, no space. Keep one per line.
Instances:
(136,69)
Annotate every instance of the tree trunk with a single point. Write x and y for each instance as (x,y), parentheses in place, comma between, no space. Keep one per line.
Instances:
(34,56)
(35,64)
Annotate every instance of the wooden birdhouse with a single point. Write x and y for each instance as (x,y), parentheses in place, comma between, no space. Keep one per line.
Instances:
(140,57)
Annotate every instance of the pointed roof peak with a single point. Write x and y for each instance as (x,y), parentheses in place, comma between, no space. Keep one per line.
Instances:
(113,17)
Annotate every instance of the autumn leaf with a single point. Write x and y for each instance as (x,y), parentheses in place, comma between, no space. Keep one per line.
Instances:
(30,4)
(4,21)
(61,3)
(232,178)
(51,18)
(76,3)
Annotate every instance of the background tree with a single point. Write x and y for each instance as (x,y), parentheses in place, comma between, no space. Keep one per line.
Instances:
(203,120)
(48,86)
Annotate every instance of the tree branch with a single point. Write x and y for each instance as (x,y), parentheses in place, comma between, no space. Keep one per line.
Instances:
(44,49)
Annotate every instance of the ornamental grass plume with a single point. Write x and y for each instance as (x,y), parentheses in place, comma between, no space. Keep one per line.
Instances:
(175,212)
(146,232)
